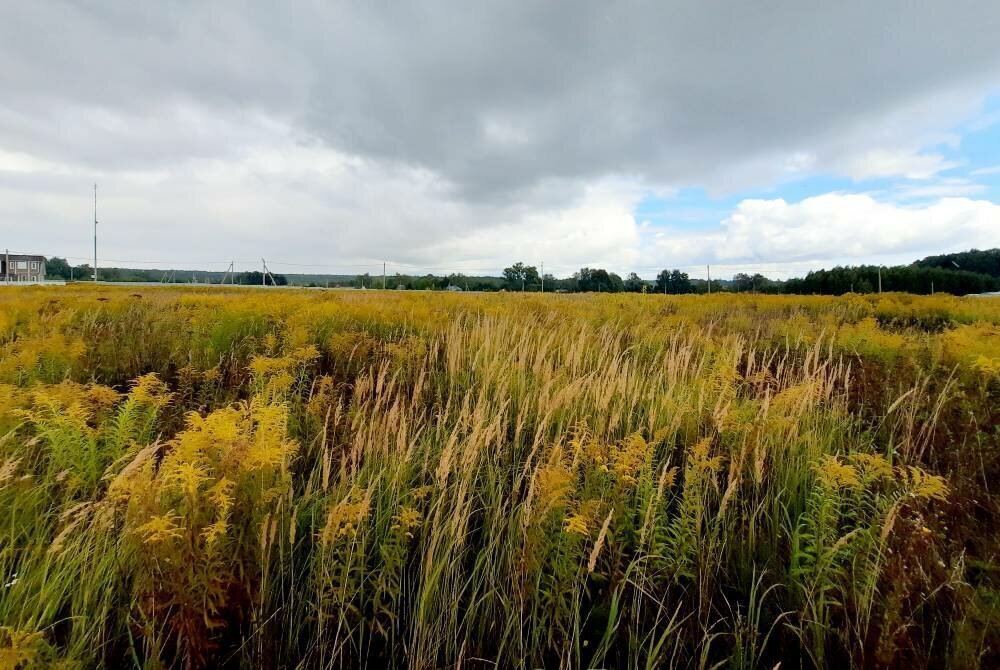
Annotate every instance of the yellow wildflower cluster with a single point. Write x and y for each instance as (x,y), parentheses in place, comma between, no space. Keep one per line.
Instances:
(221,496)
(274,376)
(244,438)
(976,345)
(584,446)
(343,521)
(576,524)
(834,474)
(553,485)
(21,648)
(44,357)
(873,466)
(160,528)
(407,520)
(408,352)
(631,458)
(922,484)
(699,460)
(149,390)
(351,346)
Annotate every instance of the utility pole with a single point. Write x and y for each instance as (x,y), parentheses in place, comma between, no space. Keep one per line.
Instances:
(708,269)
(932,287)
(383,275)
(880,279)
(95,232)
(6,266)
(267,273)
(543,276)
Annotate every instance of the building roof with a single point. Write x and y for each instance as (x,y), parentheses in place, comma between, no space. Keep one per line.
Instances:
(21,257)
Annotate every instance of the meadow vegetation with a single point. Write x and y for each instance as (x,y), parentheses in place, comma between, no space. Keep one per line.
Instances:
(267,478)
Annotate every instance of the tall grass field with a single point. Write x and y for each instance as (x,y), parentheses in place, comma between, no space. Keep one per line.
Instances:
(199,478)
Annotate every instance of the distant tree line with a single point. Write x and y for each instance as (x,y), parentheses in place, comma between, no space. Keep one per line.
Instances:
(427,282)
(974,271)
(906,278)
(986,262)
(59,268)
(914,278)
(521,277)
(959,274)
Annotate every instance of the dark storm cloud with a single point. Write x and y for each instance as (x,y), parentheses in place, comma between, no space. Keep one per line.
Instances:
(493,97)
(497,96)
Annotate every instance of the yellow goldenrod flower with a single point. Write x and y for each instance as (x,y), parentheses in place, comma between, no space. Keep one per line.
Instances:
(835,475)
(160,528)
(576,524)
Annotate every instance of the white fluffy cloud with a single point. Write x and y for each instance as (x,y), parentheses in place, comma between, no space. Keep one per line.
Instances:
(835,228)
(599,229)
(886,163)
(312,209)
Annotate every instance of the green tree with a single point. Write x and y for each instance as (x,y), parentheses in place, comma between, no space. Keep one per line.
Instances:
(521,277)
(673,282)
(634,284)
(597,280)
(615,283)
(256,278)
(57,267)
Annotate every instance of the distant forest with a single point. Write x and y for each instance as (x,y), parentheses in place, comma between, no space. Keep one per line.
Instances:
(960,273)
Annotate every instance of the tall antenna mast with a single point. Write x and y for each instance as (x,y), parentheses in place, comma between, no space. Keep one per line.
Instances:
(95,231)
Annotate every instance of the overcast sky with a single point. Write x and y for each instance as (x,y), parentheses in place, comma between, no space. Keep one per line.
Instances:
(462,136)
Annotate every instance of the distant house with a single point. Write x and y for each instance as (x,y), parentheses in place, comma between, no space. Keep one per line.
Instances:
(452,287)
(21,268)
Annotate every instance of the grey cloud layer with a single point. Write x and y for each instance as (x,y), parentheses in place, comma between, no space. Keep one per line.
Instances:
(673,92)
(492,96)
